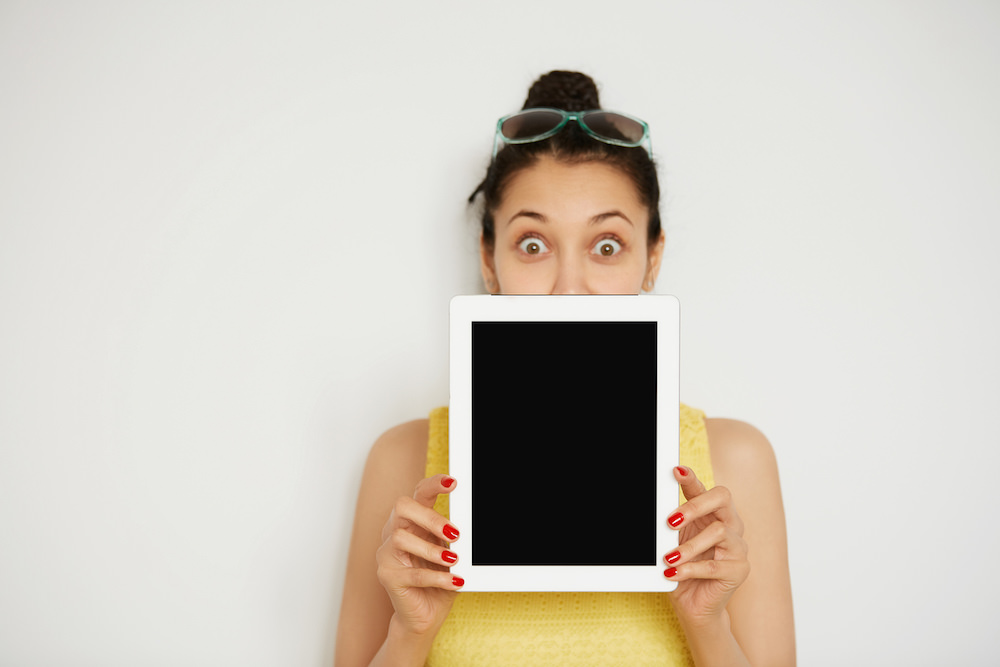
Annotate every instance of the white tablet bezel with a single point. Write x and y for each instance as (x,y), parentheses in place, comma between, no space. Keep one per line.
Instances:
(662,309)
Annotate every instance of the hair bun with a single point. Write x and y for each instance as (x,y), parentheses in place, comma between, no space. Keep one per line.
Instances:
(570,91)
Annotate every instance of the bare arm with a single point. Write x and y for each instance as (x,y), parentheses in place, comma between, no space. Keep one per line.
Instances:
(732,613)
(393,548)
(760,611)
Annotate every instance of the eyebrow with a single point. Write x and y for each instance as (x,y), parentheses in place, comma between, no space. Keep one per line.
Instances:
(596,220)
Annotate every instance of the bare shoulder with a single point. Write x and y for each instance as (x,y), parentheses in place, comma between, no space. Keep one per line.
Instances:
(395,464)
(399,455)
(406,439)
(744,462)
(738,448)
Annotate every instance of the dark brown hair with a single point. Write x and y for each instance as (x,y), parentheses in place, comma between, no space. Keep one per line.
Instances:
(570,91)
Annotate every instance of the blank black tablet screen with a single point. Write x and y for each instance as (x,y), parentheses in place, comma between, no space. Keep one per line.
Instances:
(564,443)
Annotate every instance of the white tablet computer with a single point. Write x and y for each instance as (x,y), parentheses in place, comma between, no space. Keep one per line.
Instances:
(563,435)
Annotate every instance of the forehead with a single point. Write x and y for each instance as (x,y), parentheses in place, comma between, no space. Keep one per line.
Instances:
(571,189)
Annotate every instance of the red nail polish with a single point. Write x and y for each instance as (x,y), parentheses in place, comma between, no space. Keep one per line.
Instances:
(457,582)
(450,532)
(673,557)
(682,470)
(449,556)
(670,572)
(447,482)
(675,519)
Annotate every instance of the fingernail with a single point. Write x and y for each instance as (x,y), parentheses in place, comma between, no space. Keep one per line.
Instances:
(457,582)
(670,572)
(673,557)
(675,519)
(682,471)
(447,482)
(451,556)
(450,532)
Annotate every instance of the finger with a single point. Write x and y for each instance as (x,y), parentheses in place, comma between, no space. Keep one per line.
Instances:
(690,485)
(405,542)
(731,572)
(430,488)
(717,500)
(716,535)
(399,578)
(408,511)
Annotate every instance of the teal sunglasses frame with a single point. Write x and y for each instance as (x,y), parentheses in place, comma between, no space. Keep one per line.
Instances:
(580,117)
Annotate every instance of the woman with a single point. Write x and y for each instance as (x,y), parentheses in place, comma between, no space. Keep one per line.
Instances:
(571,205)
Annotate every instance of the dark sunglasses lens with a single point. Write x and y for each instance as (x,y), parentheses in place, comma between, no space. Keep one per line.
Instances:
(615,126)
(530,124)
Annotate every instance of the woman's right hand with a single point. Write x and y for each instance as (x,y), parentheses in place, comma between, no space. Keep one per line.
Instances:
(414,558)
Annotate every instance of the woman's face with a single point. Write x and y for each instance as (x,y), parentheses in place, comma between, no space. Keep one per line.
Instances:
(570,229)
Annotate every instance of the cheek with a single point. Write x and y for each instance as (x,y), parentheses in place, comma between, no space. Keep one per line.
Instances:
(625,278)
(620,282)
(515,275)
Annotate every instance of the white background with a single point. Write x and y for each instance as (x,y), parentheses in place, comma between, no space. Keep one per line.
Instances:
(229,234)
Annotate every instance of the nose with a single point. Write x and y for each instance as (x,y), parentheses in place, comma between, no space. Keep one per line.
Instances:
(571,278)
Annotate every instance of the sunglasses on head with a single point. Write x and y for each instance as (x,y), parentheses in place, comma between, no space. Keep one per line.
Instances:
(530,125)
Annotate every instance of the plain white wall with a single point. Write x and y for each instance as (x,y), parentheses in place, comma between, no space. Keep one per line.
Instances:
(229,233)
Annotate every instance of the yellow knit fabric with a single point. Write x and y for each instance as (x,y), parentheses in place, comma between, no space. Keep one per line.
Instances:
(543,629)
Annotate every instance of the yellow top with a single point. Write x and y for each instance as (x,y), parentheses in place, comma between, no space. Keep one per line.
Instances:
(542,629)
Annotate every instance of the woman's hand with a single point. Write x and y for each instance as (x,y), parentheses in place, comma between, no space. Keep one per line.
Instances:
(413,560)
(711,560)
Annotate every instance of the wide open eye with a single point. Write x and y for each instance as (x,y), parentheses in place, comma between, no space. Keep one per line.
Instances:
(607,248)
(532,245)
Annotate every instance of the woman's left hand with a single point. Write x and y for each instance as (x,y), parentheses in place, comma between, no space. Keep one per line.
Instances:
(711,561)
